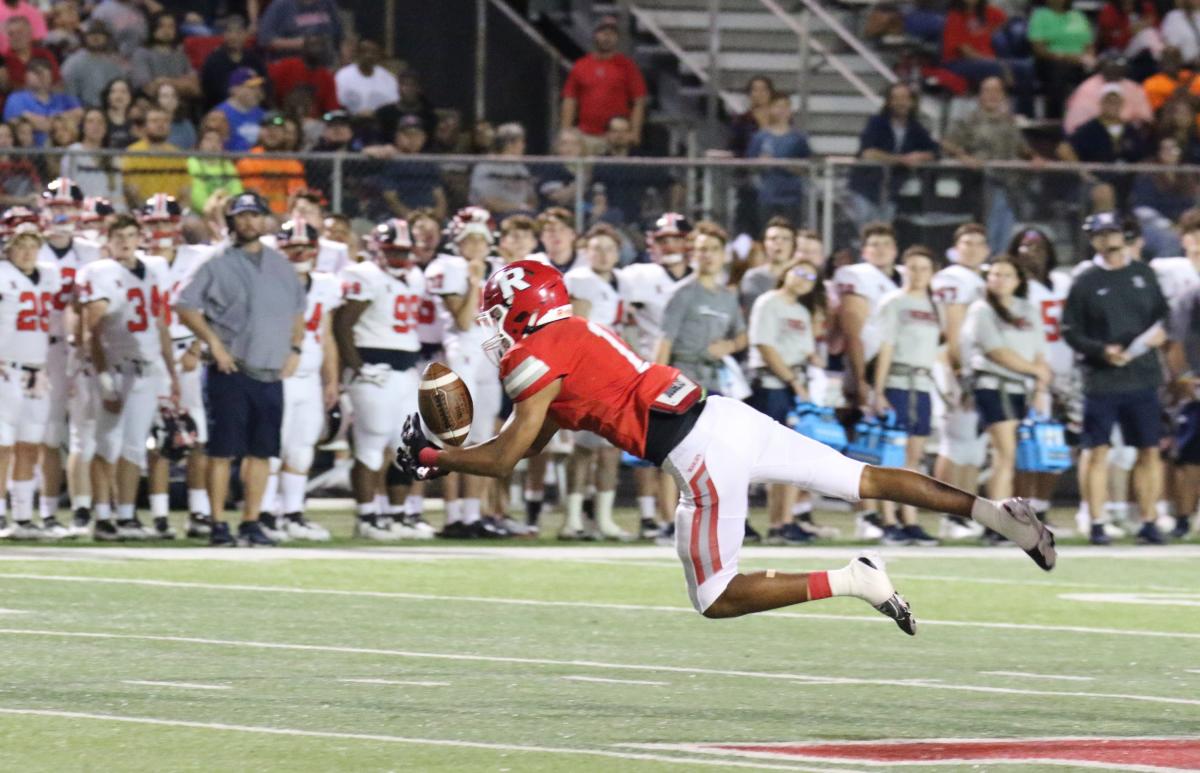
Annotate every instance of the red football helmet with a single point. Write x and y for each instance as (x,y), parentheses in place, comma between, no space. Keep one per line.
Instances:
(393,243)
(667,240)
(14,217)
(299,241)
(471,220)
(160,217)
(517,300)
(61,202)
(95,209)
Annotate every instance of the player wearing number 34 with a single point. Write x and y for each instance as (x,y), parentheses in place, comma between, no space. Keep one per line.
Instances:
(562,371)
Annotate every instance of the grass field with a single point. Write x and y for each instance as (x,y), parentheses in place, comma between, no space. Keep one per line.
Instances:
(541,657)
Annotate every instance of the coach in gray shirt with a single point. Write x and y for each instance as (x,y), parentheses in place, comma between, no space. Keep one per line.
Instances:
(703,321)
(247,304)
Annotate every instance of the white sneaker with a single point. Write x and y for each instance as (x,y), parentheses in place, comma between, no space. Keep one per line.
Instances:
(25,531)
(418,523)
(516,528)
(872,584)
(1083,524)
(133,530)
(866,529)
(1024,528)
(5,528)
(955,529)
(1114,531)
(306,530)
(53,531)
(613,532)
(377,531)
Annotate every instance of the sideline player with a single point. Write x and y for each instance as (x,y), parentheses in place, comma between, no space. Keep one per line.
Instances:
(308,393)
(564,371)
(161,220)
(61,215)
(376,335)
(28,287)
(124,300)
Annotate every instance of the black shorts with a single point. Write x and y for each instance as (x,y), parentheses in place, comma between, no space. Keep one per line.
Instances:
(994,407)
(1138,413)
(244,415)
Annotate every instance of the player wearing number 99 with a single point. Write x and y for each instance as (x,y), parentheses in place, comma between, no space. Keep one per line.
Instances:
(563,371)
(27,289)
(376,335)
(124,301)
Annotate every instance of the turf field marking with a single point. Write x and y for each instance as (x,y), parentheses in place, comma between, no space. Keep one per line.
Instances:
(1026,675)
(616,681)
(498,747)
(1141,599)
(873,619)
(785,677)
(182,685)
(403,682)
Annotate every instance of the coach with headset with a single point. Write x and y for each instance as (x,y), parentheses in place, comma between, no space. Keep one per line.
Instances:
(247,304)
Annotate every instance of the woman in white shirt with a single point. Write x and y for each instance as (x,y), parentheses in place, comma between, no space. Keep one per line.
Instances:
(1009,352)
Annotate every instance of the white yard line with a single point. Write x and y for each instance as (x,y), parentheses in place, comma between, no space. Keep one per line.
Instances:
(402,682)
(1026,675)
(784,677)
(492,600)
(615,681)
(496,747)
(182,685)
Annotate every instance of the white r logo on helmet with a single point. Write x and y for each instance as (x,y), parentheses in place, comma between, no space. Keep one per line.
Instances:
(509,280)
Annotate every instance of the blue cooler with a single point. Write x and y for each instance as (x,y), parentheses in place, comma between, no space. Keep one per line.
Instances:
(629,460)
(1042,445)
(879,442)
(818,423)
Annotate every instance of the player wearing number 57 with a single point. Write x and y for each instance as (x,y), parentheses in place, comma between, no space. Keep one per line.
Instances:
(247,305)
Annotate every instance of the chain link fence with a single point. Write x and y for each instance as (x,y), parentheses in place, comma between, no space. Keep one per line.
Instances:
(833,196)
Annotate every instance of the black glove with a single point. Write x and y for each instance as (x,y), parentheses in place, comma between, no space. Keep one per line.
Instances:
(408,455)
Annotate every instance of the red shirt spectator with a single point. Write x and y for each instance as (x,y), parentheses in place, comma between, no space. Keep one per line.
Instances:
(21,50)
(306,70)
(964,27)
(1119,21)
(20,8)
(604,84)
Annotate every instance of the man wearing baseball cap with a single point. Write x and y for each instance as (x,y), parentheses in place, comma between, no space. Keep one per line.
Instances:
(247,305)
(1113,319)
(603,84)
(243,108)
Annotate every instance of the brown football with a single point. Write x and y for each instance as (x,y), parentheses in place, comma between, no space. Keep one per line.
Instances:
(445,404)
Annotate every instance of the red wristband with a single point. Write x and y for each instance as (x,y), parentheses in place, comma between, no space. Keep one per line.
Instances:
(428,456)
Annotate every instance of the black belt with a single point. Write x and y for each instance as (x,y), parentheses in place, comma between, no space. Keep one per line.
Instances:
(664,431)
(394,358)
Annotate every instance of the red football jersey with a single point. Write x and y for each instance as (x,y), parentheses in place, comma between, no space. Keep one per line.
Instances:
(606,388)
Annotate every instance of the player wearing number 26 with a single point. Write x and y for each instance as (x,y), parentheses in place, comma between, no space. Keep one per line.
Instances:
(562,371)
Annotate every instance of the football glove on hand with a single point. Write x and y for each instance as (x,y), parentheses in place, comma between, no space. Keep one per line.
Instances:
(408,455)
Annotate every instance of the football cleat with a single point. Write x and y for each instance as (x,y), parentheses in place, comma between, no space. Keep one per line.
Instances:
(24,531)
(374,529)
(199,526)
(614,533)
(1030,534)
(818,530)
(872,584)
(517,529)
(895,536)
(1083,524)
(417,523)
(299,527)
(53,530)
(220,537)
(918,536)
(866,526)
(105,531)
(162,529)
(1183,527)
(1150,534)
(648,528)
(953,527)
(270,526)
(456,530)
(751,537)
(5,529)
(666,536)
(252,535)
(1098,535)
(132,530)
(788,534)
(82,522)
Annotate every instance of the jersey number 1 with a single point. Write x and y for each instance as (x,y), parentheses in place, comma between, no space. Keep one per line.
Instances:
(639,365)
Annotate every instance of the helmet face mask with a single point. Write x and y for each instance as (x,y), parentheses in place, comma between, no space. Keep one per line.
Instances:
(61,203)
(161,218)
(668,240)
(517,300)
(299,242)
(392,242)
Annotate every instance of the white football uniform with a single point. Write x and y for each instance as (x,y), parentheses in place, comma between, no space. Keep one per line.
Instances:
(385,392)
(129,337)
(331,258)
(448,275)
(1049,302)
(867,281)
(188,258)
(25,307)
(1175,277)
(303,400)
(645,290)
(958,427)
(62,361)
(603,296)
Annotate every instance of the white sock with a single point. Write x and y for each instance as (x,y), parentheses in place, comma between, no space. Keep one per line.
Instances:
(802,508)
(414,504)
(574,520)
(22,498)
(1163,508)
(124,512)
(604,511)
(48,506)
(81,501)
(470,510)
(1116,511)
(989,514)
(841,582)
(1040,504)
(381,503)
(454,509)
(366,509)
(515,493)
(1084,509)
(291,489)
(270,497)
(529,495)
(198,501)
(160,505)
(394,510)
(648,508)
(103,511)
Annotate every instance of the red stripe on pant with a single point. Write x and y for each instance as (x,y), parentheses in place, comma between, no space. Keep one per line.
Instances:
(697,519)
(714,549)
